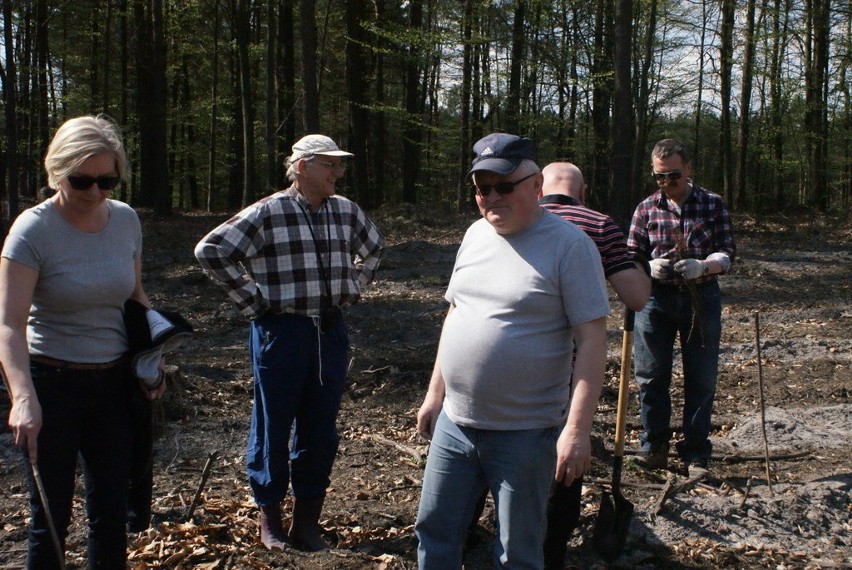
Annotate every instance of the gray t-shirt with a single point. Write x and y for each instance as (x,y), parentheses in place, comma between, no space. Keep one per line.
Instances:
(506,348)
(83,281)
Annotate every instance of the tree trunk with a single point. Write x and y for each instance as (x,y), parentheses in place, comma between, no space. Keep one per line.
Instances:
(241,35)
(151,92)
(513,97)
(745,107)
(601,101)
(9,90)
(815,120)
(462,197)
(378,115)
(777,105)
(411,137)
(287,82)
(214,109)
(310,92)
(272,91)
(699,105)
(640,164)
(622,114)
(357,74)
(726,57)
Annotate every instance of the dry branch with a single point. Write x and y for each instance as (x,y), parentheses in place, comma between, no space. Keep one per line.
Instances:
(407,449)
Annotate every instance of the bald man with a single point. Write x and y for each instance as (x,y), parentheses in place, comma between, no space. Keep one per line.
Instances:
(563,192)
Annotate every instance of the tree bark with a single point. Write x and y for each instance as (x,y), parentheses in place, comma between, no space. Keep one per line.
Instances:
(241,35)
(10,80)
(815,120)
(272,91)
(357,73)
(310,91)
(601,102)
(745,107)
(623,118)
(151,92)
(513,98)
(726,57)
(411,137)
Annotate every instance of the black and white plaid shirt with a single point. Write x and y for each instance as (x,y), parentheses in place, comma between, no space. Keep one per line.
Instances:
(267,257)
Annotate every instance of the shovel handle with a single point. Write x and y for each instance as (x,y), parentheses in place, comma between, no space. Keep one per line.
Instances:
(624,380)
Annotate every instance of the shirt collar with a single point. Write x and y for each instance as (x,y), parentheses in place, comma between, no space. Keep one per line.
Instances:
(560,199)
(294,193)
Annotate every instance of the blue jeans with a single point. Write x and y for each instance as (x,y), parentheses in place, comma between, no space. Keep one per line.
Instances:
(85,413)
(668,314)
(299,376)
(517,466)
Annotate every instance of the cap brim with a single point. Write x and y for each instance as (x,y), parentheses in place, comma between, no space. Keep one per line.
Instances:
(334,153)
(500,166)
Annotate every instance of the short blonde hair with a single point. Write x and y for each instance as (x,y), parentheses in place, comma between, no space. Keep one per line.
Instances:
(78,140)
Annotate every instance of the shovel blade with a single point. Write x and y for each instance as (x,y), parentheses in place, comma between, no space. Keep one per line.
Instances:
(612,526)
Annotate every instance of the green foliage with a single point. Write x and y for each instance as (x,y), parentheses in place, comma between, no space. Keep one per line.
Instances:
(558,71)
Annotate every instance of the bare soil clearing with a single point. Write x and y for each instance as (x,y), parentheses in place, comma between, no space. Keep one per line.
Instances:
(796,274)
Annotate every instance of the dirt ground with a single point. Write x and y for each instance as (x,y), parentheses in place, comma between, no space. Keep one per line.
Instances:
(793,273)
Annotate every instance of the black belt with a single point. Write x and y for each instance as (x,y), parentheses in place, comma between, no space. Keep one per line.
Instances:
(682,287)
(55,363)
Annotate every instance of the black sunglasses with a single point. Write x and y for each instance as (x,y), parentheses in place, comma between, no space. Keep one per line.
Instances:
(502,188)
(673,175)
(79,182)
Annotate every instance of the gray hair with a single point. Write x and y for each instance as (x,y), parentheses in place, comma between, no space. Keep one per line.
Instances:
(670,147)
(78,140)
(291,167)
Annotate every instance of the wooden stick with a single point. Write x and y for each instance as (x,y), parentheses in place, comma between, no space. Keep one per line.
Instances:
(48,516)
(205,473)
(407,449)
(747,492)
(60,554)
(762,405)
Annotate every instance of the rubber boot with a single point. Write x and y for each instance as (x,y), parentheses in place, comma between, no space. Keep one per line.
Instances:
(271,529)
(305,531)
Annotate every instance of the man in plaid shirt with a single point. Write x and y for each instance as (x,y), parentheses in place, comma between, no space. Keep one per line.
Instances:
(291,262)
(686,233)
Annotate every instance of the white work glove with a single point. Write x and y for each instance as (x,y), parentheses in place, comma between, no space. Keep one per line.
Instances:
(691,268)
(661,268)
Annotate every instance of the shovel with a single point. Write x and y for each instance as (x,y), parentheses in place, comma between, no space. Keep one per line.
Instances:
(613,521)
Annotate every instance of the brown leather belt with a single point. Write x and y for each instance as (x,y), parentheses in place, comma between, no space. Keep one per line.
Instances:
(47,361)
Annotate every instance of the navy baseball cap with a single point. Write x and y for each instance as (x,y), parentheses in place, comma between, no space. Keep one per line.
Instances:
(501,153)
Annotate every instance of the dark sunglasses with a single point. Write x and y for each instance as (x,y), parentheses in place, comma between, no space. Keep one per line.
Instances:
(502,188)
(78,182)
(673,175)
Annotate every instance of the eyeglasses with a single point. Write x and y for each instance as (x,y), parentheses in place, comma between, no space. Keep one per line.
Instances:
(80,182)
(673,175)
(502,188)
(341,166)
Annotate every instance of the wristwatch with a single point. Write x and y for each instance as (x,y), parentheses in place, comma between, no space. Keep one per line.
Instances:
(706,269)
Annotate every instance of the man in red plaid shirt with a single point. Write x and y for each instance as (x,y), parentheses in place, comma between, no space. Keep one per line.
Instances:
(685,231)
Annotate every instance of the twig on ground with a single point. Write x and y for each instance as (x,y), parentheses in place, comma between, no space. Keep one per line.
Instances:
(762,404)
(672,488)
(747,492)
(407,449)
(205,474)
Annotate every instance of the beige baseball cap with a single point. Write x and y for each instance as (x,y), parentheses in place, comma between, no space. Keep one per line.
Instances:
(310,145)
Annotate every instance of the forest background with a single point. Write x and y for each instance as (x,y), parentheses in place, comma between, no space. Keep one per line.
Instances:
(211,94)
